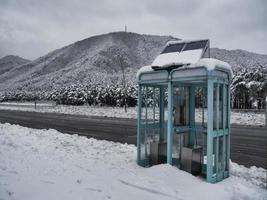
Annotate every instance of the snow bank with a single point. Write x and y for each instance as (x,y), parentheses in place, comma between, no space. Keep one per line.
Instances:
(28,103)
(46,164)
(255,175)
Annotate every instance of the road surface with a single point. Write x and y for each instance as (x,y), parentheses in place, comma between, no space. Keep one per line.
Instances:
(248,143)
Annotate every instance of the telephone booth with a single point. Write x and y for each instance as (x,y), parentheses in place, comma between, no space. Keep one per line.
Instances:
(184,112)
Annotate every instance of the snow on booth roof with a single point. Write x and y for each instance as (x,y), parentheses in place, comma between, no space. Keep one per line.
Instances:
(209,63)
(187,53)
(174,58)
(144,69)
(212,63)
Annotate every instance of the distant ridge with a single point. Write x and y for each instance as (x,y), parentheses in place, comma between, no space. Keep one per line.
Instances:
(11,61)
(94,61)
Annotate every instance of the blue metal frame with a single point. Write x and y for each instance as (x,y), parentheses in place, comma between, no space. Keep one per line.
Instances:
(210,178)
(139,103)
(161,111)
(192,135)
(215,169)
(170,123)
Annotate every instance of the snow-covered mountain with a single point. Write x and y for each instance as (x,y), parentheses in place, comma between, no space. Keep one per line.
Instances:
(90,60)
(240,59)
(100,60)
(9,62)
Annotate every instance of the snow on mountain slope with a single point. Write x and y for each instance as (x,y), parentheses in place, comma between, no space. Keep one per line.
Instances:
(89,60)
(96,61)
(240,59)
(11,61)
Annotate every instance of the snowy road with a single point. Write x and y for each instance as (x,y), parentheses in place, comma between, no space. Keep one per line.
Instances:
(248,143)
(242,117)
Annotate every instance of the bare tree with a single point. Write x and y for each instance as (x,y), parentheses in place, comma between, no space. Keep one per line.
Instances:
(122,62)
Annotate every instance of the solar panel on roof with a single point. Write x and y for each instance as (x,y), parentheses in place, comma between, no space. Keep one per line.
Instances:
(178,53)
(196,45)
(185,46)
(173,48)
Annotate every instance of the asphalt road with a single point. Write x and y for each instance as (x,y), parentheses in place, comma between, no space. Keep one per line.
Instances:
(248,143)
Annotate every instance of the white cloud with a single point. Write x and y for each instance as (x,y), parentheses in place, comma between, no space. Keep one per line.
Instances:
(32,28)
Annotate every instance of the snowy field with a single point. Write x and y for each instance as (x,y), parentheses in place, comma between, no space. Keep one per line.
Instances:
(46,164)
(245,118)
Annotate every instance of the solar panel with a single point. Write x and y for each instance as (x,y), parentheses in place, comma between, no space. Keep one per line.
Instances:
(177,53)
(173,48)
(196,45)
(185,46)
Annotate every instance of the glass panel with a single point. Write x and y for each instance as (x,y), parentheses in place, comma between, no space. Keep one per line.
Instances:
(157,98)
(220,158)
(226,151)
(214,155)
(143,145)
(203,141)
(218,107)
(165,105)
(150,146)
(181,106)
(201,107)
(176,150)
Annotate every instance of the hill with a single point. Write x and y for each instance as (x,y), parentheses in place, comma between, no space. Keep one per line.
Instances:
(9,62)
(99,61)
(90,60)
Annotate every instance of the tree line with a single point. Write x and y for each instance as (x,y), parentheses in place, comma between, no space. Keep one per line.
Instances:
(248,90)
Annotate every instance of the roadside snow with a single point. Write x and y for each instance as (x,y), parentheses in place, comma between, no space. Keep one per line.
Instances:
(46,164)
(49,103)
(245,118)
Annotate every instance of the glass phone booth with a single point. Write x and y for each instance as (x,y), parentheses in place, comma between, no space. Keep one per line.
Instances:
(184,118)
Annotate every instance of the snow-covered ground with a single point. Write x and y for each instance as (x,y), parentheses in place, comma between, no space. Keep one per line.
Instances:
(46,164)
(245,118)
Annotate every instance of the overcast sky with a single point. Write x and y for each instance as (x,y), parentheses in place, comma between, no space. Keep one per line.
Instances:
(32,28)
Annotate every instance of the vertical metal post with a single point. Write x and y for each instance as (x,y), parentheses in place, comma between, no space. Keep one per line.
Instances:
(154,105)
(161,111)
(217,106)
(170,123)
(146,122)
(203,120)
(228,124)
(224,99)
(192,114)
(203,105)
(210,132)
(217,129)
(139,115)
